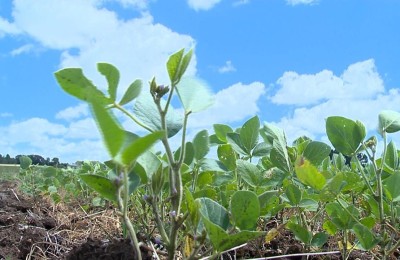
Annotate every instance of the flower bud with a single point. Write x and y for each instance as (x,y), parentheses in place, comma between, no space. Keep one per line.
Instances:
(153,86)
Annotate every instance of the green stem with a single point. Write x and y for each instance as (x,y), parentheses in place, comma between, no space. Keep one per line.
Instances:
(137,121)
(394,248)
(361,169)
(183,146)
(123,205)
(169,99)
(380,200)
(175,180)
(159,222)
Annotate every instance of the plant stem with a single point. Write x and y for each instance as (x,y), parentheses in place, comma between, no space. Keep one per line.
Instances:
(159,223)
(123,205)
(361,169)
(174,177)
(380,200)
(137,121)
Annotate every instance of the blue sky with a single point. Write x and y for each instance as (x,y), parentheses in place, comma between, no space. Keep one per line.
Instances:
(292,62)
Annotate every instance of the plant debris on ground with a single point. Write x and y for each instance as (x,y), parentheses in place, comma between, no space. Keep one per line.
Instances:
(41,230)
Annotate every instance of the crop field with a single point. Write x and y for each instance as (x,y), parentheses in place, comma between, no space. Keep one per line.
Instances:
(8,170)
(260,197)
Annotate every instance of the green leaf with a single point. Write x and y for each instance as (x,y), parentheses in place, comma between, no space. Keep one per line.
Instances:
(342,218)
(132,92)
(227,156)
(173,65)
(391,186)
(262,149)
(49,172)
(316,152)
(25,162)
(147,112)
(52,189)
(279,154)
(139,146)
(210,193)
(194,94)
(149,162)
(344,134)
(223,241)
(245,209)
(76,84)
(133,182)
(102,185)
(300,232)
(193,208)
(365,236)
(234,140)
(204,179)
(112,133)
(201,144)
(212,165)
(250,173)
(189,153)
(221,131)
(392,157)
(330,227)
(249,134)
(319,239)
(309,204)
(389,121)
(280,158)
(112,75)
(293,193)
(158,179)
(308,174)
(185,62)
(177,65)
(214,212)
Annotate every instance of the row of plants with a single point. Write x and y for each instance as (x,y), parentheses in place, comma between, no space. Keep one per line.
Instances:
(204,206)
(60,184)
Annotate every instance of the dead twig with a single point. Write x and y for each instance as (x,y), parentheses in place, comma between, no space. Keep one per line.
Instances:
(15,194)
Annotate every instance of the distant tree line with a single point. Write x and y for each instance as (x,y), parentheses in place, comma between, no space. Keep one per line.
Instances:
(36,160)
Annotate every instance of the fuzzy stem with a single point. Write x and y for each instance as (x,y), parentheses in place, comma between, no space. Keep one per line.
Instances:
(123,205)
(159,222)
(380,199)
(137,121)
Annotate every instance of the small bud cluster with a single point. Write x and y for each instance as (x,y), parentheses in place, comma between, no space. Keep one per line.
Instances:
(158,91)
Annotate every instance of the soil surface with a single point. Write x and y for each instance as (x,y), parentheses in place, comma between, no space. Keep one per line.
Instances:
(37,229)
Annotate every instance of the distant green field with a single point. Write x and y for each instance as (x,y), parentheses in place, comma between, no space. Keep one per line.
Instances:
(8,171)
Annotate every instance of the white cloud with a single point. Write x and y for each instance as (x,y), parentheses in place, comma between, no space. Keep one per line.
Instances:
(75,112)
(21,50)
(7,28)
(79,138)
(359,80)
(357,94)
(202,4)
(299,2)
(228,67)
(140,4)
(78,141)
(6,114)
(87,33)
(241,2)
(232,104)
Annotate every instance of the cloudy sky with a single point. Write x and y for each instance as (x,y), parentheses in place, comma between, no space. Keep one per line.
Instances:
(292,62)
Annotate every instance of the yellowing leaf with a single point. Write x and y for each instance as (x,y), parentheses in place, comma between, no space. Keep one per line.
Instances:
(308,174)
(189,244)
(340,244)
(271,235)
